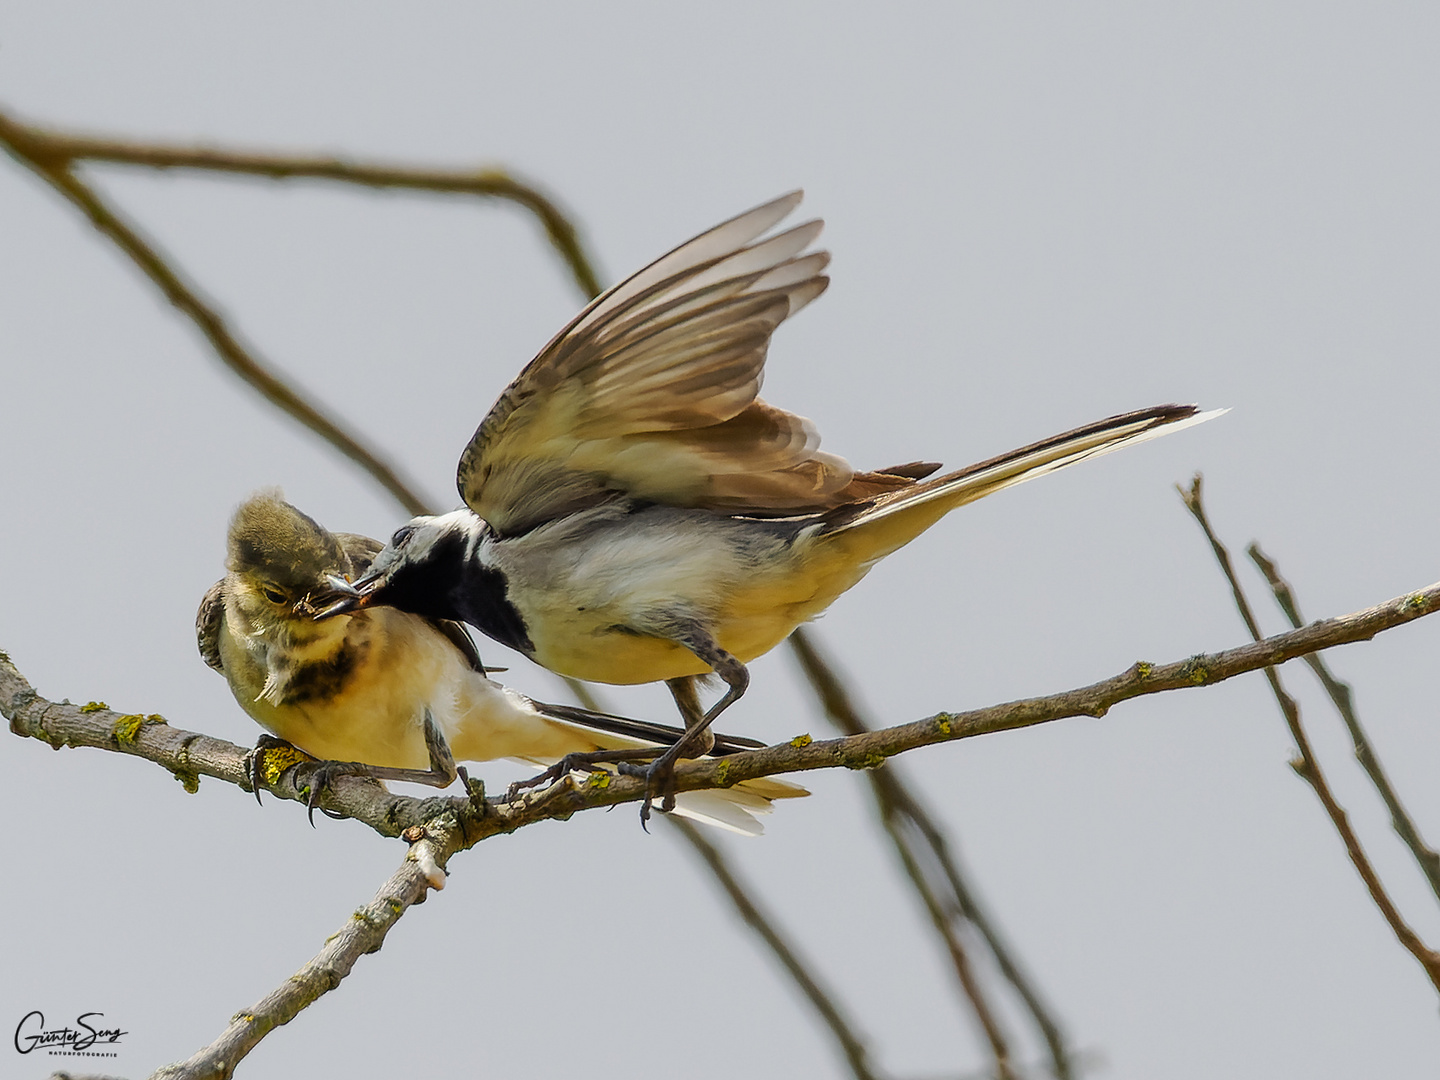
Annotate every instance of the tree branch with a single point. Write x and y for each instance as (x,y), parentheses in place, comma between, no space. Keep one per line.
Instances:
(364,932)
(1307,766)
(54,150)
(189,755)
(1341,694)
(239,358)
(850,1043)
(898,805)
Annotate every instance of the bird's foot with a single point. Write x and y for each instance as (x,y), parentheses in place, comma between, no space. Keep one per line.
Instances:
(254,764)
(587,761)
(322,776)
(659,777)
(474,791)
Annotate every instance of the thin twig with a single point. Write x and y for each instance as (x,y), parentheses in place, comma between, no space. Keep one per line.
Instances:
(55,150)
(364,932)
(851,1046)
(897,806)
(239,358)
(985,1014)
(1344,699)
(850,1043)
(1307,766)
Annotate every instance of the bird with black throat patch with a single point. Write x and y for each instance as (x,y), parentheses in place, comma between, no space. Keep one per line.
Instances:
(635,512)
(391,695)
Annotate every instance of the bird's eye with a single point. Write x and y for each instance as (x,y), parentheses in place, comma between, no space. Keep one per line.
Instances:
(274,595)
(401,535)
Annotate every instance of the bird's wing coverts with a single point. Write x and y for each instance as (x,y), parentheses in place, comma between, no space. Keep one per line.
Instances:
(207,625)
(651,392)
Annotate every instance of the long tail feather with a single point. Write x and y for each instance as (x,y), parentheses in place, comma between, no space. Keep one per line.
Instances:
(883,524)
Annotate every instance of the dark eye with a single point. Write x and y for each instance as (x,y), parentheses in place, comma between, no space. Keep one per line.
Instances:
(401,535)
(274,595)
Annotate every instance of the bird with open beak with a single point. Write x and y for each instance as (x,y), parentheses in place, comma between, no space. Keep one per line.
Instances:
(635,512)
(388,694)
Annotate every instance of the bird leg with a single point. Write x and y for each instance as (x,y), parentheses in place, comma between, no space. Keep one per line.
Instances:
(581,761)
(442,771)
(698,740)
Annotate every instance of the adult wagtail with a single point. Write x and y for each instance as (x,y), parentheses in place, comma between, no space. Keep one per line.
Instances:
(388,694)
(636,512)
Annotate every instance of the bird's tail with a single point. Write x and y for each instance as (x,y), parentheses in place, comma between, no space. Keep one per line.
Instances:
(863,532)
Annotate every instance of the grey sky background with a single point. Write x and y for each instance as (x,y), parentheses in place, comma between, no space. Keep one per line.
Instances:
(1040,215)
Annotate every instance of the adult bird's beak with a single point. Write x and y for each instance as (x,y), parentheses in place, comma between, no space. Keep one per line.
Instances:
(341,596)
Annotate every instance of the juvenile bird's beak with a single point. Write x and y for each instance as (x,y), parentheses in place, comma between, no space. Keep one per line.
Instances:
(342,596)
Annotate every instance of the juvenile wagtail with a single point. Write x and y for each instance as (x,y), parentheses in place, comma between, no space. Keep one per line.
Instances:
(636,512)
(390,694)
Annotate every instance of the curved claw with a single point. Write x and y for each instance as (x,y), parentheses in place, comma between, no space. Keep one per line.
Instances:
(320,779)
(657,776)
(254,761)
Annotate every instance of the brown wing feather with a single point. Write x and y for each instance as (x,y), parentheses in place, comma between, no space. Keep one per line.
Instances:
(651,392)
(207,625)
(360,550)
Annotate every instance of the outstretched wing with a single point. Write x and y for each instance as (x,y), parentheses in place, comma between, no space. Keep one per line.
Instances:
(651,392)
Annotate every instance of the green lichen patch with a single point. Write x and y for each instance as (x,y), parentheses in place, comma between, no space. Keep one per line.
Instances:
(190,781)
(942,723)
(722,772)
(127,729)
(801,740)
(94,706)
(1415,602)
(600,780)
(1196,671)
(275,760)
(1144,669)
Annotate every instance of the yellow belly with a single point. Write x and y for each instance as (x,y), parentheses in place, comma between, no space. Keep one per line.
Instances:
(752,620)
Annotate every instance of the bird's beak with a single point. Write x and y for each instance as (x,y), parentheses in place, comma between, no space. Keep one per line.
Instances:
(341,596)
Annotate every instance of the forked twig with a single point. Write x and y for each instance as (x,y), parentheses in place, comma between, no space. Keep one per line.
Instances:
(1344,699)
(1307,766)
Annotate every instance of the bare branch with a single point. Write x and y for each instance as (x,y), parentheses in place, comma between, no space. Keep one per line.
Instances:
(898,806)
(851,1046)
(190,755)
(1306,765)
(364,932)
(242,360)
(850,1043)
(1341,694)
(984,1012)
(56,150)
